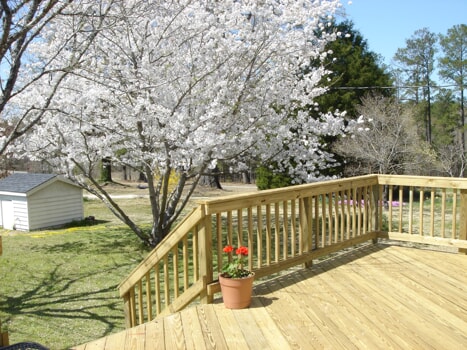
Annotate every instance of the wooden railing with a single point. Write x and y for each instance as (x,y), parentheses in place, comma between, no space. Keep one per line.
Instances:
(431,210)
(290,226)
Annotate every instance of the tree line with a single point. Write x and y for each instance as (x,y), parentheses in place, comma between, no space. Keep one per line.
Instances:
(413,123)
(429,111)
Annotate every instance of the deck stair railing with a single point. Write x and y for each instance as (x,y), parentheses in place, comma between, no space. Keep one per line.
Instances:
(291,226)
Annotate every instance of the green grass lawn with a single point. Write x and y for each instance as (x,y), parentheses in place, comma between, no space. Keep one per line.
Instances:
(59,287)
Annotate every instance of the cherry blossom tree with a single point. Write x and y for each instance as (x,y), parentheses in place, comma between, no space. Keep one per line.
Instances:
(25,23)
(176,86)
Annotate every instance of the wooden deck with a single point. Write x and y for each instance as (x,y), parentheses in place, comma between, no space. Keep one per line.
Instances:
(374,297)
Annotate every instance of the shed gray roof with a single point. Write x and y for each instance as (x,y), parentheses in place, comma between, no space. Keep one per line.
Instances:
(23,182)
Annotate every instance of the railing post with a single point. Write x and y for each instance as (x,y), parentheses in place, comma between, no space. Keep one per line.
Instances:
(463,219)
(4,339)
(306,230)
(206,270)
(377,199)
(127,310)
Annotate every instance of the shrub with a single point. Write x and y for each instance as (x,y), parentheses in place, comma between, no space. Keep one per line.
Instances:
(267,179)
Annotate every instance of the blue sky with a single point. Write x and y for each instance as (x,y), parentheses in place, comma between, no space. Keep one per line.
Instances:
(386,24)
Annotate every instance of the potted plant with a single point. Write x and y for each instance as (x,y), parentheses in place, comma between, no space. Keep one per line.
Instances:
(236,281)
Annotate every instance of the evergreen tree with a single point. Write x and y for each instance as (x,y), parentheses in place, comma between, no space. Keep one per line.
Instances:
(417,62)
(453,66)
(445,119)
(355,70)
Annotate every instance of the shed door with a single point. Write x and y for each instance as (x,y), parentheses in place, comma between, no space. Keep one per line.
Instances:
(8,218)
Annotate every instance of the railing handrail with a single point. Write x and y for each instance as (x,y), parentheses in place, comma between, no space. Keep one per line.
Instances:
(423,181)
(218,204)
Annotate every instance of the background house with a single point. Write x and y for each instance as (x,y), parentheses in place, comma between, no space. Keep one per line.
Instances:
(35,201)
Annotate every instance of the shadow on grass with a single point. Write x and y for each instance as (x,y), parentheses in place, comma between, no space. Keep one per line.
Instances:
(102,241)
(96,247)
(59,288)
(58,296)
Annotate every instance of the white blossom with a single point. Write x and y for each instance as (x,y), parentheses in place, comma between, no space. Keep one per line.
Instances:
(180,85)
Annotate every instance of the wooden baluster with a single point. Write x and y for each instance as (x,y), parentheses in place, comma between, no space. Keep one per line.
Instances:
(366,207)
(220,242)
(454,214)
(348,216)
(285,230)
(149,296)
(293,227)
(186,265)
(314,235)
(335,210)
(205,256)
(140,303)
(239,227)
(358,203)
(330,224)
(166,281)
(410,210)
(463,220)
(157,287)
(432,212)
(175,271)
(401,204)
(323,220)
(259,235)
(390,201)
(443,213)
(251,245)
(268,234)
(421,207)
(342,215)
(276,232)
(229,228)
(195,255)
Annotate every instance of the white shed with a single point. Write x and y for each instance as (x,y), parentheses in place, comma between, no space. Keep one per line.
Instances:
(35,201)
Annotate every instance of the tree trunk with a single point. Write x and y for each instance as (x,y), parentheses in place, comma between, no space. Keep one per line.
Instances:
(142,177)
(106,170)
(246,179)
(125,173)
(211,180)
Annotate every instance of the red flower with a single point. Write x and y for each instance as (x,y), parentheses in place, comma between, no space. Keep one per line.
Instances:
(233,268)
(242,251)
(228,249)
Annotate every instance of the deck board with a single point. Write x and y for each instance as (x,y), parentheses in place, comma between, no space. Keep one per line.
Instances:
(153,340)
(193,333)
(374,297)
(413,307)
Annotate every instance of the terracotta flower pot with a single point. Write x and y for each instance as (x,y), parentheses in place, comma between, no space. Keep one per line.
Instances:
(236,292)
